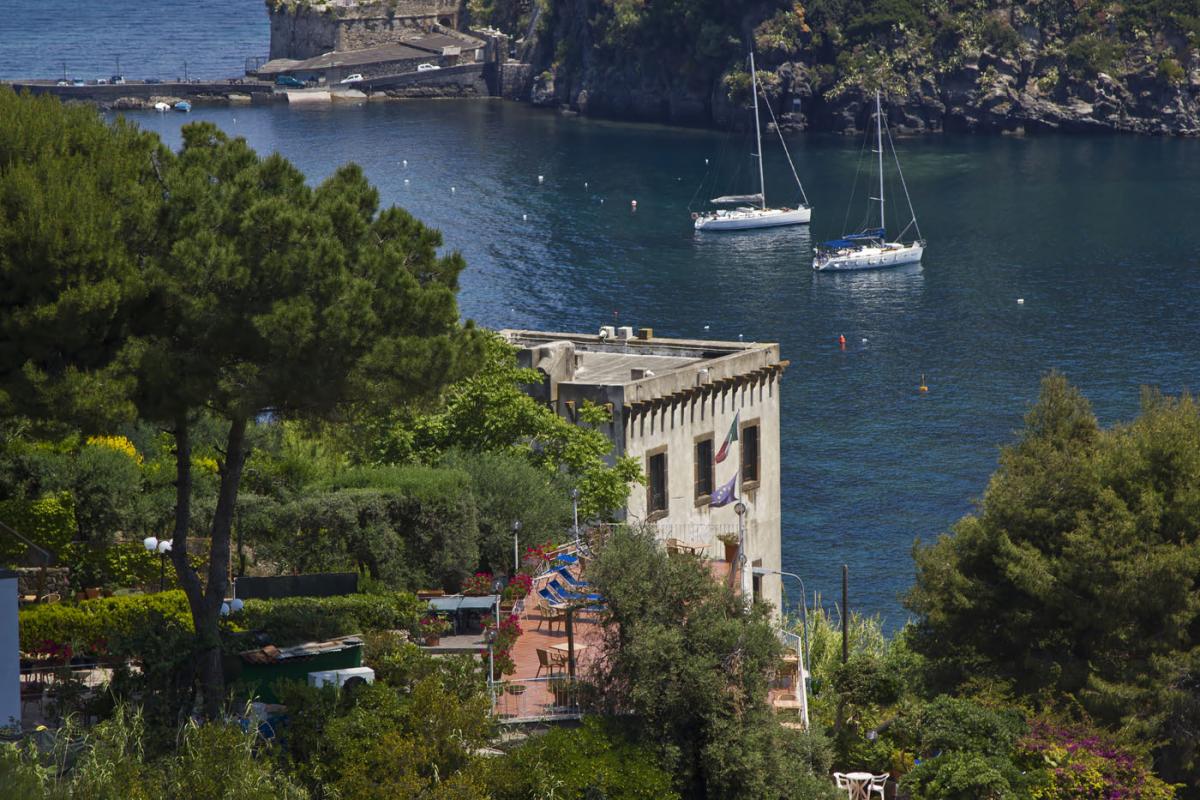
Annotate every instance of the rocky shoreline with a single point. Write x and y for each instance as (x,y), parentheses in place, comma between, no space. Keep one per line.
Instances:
(1036,78)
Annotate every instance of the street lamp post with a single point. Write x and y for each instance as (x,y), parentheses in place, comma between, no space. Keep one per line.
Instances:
(575,513)
(516,529)
(162,547)
(747,585)
(803,654)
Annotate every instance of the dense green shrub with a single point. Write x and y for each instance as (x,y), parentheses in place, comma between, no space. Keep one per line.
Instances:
(96,626)
(1092,53)
(964,775)
(1000,36)
(1171,71)
(294,620)
(48,522)
(598,759)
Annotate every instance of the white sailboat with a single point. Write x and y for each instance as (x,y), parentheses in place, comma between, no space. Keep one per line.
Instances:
(745,216)
(869,248)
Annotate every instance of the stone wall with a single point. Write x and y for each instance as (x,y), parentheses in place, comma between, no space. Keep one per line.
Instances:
(307,32)
(56,580)
(515,80)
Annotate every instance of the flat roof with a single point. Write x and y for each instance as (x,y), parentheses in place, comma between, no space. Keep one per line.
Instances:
(608,361)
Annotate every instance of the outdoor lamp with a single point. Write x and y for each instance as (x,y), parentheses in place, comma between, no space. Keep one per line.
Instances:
(164,546)
(575,511)
(740,508)
(224,609)
(236,605)
(150,543)
(516,528)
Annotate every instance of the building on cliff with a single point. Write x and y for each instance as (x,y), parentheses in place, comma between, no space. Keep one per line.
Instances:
(301,31)
(675,404)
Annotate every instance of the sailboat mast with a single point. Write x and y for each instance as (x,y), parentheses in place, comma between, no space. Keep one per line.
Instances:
(762,185)
(879,150)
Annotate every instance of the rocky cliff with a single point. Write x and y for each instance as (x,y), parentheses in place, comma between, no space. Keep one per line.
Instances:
(1075,65)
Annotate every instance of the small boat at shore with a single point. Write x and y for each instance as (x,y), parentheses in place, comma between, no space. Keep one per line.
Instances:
(869,248)
(184,106)
(162,107)
(745,216)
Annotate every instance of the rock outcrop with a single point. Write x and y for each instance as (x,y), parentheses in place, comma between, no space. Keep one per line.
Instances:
(1032,82)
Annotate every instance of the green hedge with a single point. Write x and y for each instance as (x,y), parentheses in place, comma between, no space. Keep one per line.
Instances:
(48,522)
(305,619)
(91,624)
(117,624)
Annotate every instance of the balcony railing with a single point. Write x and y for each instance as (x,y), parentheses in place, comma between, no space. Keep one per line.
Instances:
(530,699)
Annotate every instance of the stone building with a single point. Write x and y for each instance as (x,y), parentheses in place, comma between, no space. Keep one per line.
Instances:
(673,403)
(304,30)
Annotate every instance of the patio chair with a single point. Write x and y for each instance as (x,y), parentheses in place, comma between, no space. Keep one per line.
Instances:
(571,580)
(840,781)
(552,610)
(549,661)
(879,785)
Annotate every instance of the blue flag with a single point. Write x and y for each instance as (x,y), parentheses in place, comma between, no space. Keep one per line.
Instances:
(724,495)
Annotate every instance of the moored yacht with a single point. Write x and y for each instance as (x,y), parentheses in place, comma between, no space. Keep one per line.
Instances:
(870,248)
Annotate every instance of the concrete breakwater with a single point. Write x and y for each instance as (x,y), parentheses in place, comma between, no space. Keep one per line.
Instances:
(145,95)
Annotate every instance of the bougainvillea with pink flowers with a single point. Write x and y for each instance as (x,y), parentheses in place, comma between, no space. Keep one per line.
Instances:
(1082,763)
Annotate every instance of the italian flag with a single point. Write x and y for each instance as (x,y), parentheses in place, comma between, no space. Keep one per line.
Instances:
(730,438)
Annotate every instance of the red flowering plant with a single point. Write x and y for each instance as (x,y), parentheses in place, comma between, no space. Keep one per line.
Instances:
(478,585)
(503,638)
(537,557)
(432,625)
(518,587)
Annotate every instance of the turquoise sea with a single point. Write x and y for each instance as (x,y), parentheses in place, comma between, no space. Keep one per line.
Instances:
(1097,235)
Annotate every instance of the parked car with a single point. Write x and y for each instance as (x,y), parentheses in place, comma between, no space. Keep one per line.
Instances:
(427,67)
(101,81)
(79,82)
(62,82)
(152,80)
(290,81)
(117,80)
(355,78)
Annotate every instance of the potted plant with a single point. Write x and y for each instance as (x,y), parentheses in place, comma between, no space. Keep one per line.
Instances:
(562,689)
(432,627)
(516,590)
(730,540)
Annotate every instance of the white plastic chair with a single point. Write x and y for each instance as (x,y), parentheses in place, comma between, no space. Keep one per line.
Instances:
(839,780)
(879,785)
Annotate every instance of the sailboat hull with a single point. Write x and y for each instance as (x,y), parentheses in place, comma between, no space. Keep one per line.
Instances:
(892,255)
(741,219)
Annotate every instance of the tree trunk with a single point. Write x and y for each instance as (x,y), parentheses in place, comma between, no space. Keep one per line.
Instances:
(205,602)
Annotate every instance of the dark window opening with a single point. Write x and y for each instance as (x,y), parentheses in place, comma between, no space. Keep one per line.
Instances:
(704,467)
(750,453)
(657,483)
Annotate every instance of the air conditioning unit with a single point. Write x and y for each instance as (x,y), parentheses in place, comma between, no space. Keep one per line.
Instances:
(608,332)
(625,332)
(341,678)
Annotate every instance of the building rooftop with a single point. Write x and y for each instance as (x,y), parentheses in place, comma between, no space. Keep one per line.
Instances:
(619,357)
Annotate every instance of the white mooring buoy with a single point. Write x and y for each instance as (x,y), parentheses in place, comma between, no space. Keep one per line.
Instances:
(524,217)
(541,179)
(1020,301)
(405,162)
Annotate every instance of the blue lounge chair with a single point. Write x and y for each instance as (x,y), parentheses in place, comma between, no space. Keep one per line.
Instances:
(559,589)
(571,580)
(567,558)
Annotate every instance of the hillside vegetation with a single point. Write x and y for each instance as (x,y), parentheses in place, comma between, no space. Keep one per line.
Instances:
(944,64)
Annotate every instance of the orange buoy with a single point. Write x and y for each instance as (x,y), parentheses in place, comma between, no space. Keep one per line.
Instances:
(842,341)
(922,388)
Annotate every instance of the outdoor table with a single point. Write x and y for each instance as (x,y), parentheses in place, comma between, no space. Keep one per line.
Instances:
(859,785)
(565,647)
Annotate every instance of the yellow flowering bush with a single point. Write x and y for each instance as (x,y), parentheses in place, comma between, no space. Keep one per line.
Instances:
(119,443)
